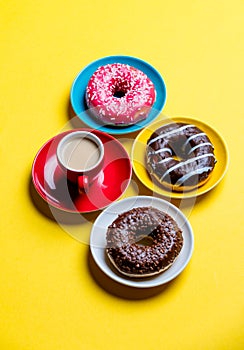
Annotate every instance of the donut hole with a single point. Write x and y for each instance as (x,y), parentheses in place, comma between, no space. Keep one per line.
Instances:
(178,158)
(119,93)
(144,240)
(180,153)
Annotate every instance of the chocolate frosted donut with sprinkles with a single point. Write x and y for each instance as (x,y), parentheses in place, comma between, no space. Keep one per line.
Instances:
(180,156)
(119,94)
(143,242)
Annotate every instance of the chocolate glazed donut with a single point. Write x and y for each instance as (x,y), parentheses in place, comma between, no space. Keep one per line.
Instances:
(180,156)
(143,242)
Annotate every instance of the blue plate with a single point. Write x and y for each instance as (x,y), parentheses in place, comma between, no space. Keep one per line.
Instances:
(78,89)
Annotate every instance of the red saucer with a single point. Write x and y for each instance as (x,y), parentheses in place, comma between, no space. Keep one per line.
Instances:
(53,187)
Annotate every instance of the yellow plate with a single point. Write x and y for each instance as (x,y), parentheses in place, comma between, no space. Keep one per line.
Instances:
(139,158)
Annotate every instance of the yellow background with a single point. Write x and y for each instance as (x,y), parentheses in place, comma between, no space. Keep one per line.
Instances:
(52,296)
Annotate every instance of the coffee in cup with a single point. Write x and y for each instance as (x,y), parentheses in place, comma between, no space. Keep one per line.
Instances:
(80,154)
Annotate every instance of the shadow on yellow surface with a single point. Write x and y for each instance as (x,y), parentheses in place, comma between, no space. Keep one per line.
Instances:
(75,121)
(55,214)
(123,291)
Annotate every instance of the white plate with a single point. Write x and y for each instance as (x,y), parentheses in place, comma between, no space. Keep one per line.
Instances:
(98,240)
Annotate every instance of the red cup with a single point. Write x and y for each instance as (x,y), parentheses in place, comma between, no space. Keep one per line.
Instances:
(80,155)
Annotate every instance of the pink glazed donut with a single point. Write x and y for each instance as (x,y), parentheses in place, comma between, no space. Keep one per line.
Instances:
(120,94)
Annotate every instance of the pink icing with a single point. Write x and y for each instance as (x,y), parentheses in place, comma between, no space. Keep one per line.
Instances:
(135,91)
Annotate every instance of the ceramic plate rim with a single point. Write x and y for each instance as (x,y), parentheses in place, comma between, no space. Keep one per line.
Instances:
(190,194)
(111,212)
(40,193)
(89,121)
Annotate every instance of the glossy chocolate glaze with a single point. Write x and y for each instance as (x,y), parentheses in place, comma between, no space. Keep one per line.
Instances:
(180,156)
(143,241)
